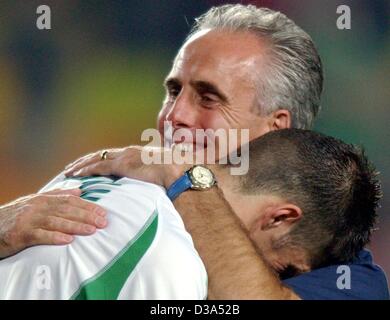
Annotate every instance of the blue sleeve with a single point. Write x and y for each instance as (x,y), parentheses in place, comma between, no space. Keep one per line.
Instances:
(367,282)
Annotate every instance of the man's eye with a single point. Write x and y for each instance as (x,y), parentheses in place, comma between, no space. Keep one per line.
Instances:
(208,99)
(173,93)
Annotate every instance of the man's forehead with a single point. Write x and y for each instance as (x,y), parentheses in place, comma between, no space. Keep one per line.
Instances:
(219,51)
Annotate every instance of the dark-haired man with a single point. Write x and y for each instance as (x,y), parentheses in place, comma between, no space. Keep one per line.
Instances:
(286,203)
(308,204)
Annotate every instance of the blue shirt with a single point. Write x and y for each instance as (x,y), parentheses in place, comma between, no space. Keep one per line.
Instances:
(361,280)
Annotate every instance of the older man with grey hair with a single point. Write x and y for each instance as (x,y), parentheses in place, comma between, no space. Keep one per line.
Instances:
(244,67)
(289,74)
(241,67)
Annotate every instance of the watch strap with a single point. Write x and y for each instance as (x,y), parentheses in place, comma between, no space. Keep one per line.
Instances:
(180,185)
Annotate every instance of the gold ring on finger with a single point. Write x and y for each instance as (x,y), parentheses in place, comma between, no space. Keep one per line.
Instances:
(104,155)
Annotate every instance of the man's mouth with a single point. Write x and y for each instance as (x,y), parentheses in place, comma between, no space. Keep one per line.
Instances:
(186,143)
(187,147)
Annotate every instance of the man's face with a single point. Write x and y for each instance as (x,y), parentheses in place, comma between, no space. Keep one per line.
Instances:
(212,85)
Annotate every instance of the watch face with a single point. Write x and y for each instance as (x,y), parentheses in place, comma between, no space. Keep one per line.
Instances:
(203,176)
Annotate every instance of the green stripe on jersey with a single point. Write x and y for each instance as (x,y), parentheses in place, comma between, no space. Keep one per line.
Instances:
(108,283)
(94,199)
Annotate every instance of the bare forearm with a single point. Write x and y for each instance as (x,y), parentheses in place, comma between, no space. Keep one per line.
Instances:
(235,269)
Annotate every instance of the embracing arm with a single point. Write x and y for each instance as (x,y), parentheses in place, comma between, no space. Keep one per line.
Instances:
(46,218)
(235,269)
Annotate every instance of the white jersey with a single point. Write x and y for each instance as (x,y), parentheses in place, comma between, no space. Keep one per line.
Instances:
(143,253)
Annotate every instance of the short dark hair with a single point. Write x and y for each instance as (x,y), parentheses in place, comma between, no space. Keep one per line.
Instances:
(332,182)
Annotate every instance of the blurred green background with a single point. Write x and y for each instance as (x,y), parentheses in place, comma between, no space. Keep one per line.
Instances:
(95,80)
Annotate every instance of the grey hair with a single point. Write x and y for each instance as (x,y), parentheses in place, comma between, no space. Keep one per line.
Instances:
(294,79)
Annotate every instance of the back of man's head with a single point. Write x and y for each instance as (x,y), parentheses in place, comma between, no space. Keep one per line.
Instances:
(331,181)
(293,76)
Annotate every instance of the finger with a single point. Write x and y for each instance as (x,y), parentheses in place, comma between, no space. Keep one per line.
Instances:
(80,159)
(96,158)
(87,161)
(82,216)
(53,223)
(41,237)
(92,158)
(73,192)
(58,202)
(102,168)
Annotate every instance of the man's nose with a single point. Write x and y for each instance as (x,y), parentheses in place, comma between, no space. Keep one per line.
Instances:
(183,113)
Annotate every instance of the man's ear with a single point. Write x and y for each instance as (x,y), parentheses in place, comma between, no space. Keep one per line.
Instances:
(286,215)
(281,119)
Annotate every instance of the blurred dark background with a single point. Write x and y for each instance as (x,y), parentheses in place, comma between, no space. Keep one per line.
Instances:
(95,80)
